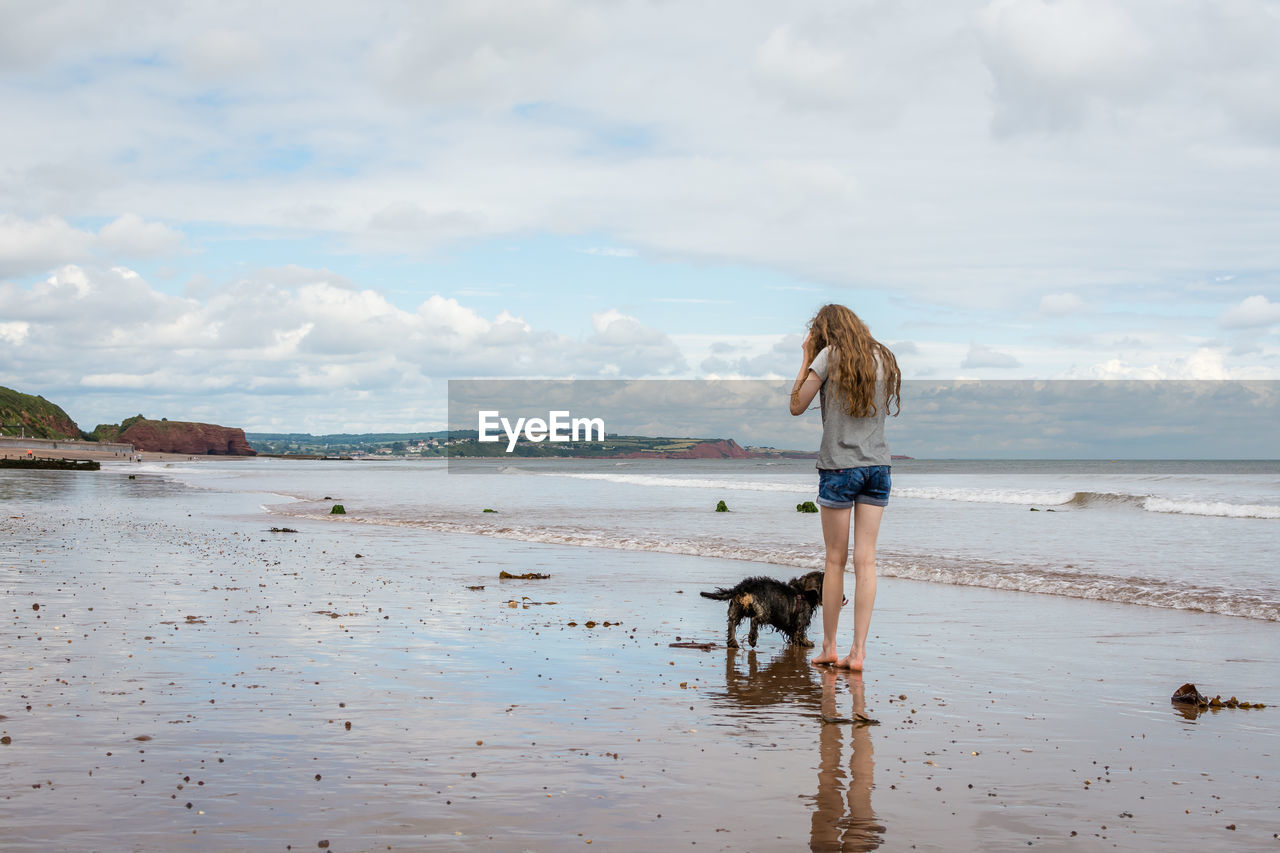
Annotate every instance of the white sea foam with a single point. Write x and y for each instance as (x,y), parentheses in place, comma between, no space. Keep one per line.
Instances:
(682,482)
(1180,506)
(1021,497)
(1211,508)
(1151,592)
(1018,497)
(168,469)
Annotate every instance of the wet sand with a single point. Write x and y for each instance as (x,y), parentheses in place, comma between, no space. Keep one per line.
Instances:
(173,676)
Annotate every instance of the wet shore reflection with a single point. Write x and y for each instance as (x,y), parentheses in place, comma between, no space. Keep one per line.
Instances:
(842,816)
(789,686)
(786,682)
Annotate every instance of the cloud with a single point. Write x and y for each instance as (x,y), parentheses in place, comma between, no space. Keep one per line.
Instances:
(223,52)
(29,246)
(971,163)
(803,73)
(1205,363)
(1064,64)
(984,356)
(1061,304)
(131,237)
(411,219)
(1052,60)
(34,246)
(1254,312)
(622,345)
(14,333)
(610,252)
(781,359)
(286,334)
(482,51)
(444,124)
(1202,363)
(604,319)
(34,32)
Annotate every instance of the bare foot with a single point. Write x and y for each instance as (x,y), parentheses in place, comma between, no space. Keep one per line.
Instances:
(826,656)
(852,661)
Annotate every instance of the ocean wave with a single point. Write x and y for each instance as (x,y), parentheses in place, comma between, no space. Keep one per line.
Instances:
(1107,499)
(1095,501)
(1019,497)
(1148,592)
(1220,509)
(681,482)
(168,469)
(1179,506)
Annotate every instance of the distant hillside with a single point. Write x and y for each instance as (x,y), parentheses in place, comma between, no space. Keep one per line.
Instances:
(341,442)
(614,447)
(33,416)
(344,437)
(464,444)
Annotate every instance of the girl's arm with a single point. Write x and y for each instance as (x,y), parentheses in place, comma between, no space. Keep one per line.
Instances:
(807,382)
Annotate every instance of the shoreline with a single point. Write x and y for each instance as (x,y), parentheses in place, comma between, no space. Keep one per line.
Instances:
(891,564)
(203,646)
(108,456)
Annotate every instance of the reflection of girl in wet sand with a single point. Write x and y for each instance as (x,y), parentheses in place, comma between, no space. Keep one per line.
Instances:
(833,826)
(858,378)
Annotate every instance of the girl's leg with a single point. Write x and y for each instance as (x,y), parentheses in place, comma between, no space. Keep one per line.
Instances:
(866,527)
(835,534)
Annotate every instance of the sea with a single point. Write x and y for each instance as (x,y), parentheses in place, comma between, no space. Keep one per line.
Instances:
(1182,534)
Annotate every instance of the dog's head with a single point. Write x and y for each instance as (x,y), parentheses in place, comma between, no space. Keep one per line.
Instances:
(808,587)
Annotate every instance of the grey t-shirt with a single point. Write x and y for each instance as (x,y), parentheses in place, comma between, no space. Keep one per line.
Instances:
(849,442)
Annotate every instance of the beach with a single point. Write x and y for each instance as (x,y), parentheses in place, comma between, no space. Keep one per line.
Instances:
(69,450)
(176,676)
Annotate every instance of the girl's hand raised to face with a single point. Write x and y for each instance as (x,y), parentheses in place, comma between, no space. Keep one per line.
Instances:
(806,347)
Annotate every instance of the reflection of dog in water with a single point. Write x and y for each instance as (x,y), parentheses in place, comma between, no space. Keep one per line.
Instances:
(788,607)
(782,681)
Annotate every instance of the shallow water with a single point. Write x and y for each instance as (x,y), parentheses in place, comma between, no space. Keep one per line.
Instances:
(1094,533)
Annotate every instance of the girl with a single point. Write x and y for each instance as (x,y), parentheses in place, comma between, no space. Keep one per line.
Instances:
(859,380)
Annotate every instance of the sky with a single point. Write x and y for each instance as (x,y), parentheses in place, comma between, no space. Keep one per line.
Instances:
(310,216)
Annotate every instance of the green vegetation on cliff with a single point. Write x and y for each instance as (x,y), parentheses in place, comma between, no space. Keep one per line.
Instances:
(33,416)
(111,432)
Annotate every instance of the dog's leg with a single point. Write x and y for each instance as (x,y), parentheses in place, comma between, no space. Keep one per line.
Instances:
(802,628)
(755,631)
(801,640)
(735,616)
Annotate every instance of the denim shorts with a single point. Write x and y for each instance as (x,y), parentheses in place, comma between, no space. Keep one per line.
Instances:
(841,488)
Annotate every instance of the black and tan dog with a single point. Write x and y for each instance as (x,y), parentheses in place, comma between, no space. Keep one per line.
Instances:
(788,607)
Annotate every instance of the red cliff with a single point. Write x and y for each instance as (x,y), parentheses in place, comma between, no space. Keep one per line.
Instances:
(185,437)
(707,449)
(724,449)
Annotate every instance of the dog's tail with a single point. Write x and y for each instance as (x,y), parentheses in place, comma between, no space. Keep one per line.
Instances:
(720,594)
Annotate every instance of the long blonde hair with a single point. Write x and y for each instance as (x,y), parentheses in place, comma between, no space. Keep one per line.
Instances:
(855,359)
